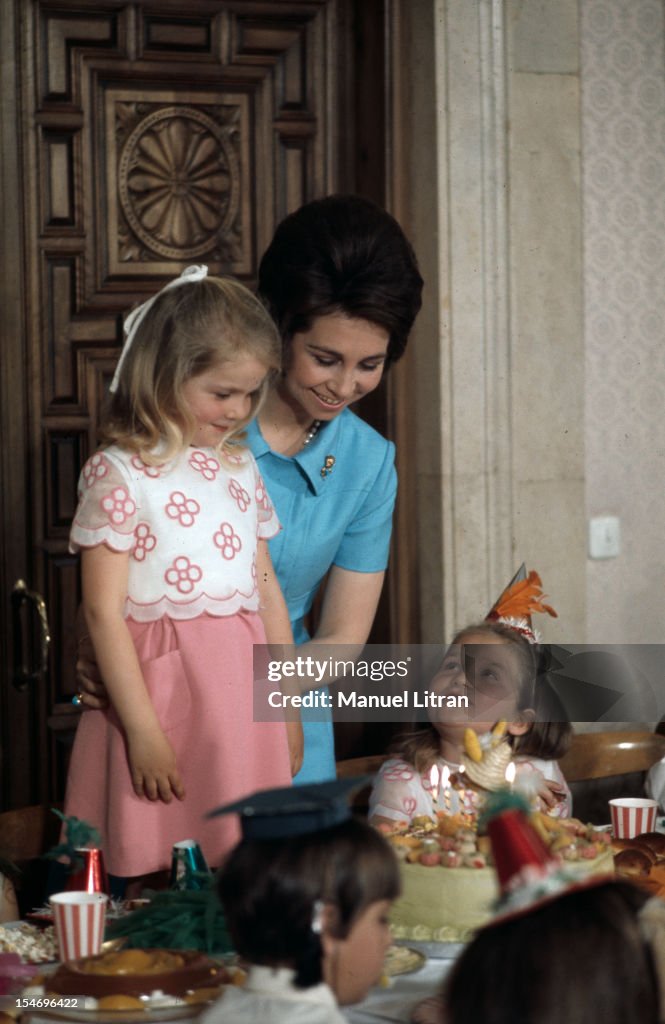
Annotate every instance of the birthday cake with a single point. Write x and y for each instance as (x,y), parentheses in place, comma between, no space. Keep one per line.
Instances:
(449,885)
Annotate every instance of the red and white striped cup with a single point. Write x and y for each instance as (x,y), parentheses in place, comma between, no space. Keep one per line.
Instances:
(631,816)
(79,919)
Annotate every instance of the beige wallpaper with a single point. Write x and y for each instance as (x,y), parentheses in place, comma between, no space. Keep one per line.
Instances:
(623,164)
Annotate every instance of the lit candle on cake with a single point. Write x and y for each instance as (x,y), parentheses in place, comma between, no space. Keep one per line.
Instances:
(510,774)
(434,783)
(445,782)
(466,796)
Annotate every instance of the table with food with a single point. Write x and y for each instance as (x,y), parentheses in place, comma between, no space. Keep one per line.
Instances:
(170,955)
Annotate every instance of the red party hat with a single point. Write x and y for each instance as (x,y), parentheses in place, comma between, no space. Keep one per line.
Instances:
(529,875)
(518,850)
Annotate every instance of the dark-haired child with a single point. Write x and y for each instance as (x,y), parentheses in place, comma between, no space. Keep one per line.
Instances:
(307,893)
(560,949)
(495,666)
(504,684)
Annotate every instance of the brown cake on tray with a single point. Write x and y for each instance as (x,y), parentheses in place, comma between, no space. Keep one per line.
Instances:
(138,972)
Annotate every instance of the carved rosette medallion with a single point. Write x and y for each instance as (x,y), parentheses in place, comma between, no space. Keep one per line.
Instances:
(179,182)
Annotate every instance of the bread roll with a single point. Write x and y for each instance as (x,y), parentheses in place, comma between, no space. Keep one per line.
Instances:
(655,841)
(632,862)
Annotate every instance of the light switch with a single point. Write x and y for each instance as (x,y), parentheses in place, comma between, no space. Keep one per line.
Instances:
(604,537)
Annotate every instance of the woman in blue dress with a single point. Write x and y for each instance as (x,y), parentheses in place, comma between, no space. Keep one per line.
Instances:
(342,283)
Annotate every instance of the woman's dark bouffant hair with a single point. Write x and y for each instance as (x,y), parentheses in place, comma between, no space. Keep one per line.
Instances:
(536,968)
(269,889)
(342,254)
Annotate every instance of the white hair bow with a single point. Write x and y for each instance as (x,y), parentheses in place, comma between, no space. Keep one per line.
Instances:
(194,273)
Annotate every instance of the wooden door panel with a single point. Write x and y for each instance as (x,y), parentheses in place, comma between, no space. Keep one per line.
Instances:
(138,137)
(147,136)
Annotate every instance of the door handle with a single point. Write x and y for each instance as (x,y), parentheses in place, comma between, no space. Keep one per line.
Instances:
(23,672)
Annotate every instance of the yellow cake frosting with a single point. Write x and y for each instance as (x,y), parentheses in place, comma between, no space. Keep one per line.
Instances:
(440,904)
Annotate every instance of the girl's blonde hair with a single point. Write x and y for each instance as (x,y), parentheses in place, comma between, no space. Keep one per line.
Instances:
(187,331)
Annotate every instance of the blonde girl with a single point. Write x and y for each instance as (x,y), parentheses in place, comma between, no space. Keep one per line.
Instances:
(172,523)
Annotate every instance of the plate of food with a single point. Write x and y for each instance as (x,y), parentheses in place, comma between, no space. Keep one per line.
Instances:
(125,986)
(402,960)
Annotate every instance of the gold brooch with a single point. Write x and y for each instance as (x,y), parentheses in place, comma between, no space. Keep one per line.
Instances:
(328,465)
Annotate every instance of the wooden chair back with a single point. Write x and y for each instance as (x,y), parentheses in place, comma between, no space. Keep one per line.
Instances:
(603,765)
(357,766)
(26,833)
(354,767)
(597,755)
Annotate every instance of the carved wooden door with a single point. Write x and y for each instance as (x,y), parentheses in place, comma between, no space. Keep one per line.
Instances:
(137,137)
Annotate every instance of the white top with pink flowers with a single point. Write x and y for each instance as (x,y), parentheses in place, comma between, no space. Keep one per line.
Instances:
(402,793)
(190,526)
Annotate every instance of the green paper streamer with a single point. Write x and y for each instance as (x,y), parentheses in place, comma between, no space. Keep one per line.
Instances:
(176,919)
(78,834)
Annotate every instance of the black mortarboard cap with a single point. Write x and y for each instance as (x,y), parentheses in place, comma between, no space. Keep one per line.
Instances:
(293,810)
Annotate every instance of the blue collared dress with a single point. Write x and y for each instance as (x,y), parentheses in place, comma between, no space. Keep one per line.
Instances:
(335,501)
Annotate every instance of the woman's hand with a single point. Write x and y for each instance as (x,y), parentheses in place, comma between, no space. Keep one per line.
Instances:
(296,740)
(153,766)
(92,692)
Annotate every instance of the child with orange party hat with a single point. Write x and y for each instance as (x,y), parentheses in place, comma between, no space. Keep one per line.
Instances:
(496,664)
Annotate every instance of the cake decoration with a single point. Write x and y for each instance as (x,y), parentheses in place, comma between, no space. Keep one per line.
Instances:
(486,758)
(522,597)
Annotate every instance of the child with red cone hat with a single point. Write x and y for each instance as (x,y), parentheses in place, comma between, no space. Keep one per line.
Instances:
(558,949)
(528,873)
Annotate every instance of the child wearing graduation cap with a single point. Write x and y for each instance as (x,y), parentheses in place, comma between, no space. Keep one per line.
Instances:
(306,893)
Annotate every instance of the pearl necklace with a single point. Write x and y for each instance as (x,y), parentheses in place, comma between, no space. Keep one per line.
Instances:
(312,432)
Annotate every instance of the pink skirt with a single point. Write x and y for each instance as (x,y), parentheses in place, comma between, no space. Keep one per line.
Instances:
(199,674)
